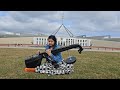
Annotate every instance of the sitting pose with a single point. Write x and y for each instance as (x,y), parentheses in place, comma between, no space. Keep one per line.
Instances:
(52,44)
(55,63)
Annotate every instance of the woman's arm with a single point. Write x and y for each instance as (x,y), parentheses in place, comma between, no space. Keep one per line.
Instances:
(57,57)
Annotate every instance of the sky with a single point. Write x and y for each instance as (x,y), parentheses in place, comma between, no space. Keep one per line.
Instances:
(89,23)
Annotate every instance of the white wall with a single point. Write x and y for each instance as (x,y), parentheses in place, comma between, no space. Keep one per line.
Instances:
(63,41)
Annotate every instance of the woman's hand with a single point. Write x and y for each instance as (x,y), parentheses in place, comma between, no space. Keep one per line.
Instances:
(38,52)
(48,51)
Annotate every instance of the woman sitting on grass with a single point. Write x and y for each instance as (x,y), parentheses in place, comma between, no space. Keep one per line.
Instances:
(52,44)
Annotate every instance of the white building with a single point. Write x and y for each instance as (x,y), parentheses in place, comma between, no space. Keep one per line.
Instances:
(63,41)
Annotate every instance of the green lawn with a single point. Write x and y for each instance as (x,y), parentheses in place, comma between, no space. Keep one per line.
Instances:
(89,65)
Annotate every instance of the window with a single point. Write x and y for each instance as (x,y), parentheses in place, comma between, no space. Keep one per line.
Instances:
(83,44)
(58,43)
(69,41)
(61,43)
(64,43)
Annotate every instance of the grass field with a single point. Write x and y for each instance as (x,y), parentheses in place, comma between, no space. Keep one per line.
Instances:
(89,65)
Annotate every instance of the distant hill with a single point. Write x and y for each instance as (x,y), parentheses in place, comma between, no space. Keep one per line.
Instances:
(106,37)
(113,39)
(39,35)
(22,35)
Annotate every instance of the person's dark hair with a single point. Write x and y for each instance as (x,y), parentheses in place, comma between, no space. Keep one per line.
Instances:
(53,38)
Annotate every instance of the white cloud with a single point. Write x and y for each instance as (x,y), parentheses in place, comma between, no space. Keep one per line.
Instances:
(78,22)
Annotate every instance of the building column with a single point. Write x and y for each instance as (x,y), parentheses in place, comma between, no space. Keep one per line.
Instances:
(89,42)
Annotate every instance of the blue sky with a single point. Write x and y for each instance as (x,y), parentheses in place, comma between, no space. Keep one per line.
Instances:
(90,23)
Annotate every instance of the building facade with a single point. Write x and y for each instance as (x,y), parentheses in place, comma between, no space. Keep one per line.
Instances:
(63,41)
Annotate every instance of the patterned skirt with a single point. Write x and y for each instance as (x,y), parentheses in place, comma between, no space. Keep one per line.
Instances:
(48,68)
